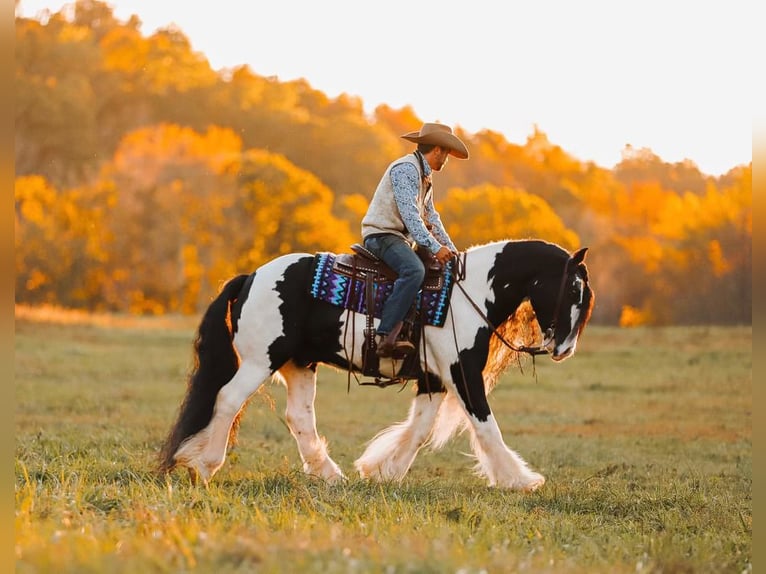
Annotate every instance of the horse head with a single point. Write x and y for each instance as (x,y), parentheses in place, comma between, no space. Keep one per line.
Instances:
(562,300)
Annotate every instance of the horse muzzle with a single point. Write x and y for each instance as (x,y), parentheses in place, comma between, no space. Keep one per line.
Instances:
(559,355)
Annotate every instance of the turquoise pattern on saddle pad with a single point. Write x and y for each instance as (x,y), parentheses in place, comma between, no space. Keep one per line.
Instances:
(341,291)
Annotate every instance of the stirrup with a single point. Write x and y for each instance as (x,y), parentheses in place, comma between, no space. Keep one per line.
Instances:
(399,350)
(383,382)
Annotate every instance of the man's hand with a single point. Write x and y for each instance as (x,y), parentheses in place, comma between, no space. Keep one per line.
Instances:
(443,255)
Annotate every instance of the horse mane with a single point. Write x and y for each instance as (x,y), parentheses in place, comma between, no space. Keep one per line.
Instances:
(521,330)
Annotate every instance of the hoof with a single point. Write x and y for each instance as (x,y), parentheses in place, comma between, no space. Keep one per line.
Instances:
(368,472)
(329,472)
(336,478)
(533,482)
(197,475)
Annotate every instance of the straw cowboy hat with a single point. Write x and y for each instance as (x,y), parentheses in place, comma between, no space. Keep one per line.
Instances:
(441,135)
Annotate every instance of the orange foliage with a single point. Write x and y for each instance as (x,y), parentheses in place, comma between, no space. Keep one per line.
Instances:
(289,210)
(155,61)
(485,213)
(195,208)
(58,244)
(633,317)
(145,178)
(646,251)
(718,261)
(171,205)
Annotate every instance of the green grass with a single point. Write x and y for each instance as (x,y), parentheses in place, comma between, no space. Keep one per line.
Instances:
(645,438)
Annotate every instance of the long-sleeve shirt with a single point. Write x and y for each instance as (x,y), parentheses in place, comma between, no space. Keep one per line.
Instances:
(405,180)
(403,205)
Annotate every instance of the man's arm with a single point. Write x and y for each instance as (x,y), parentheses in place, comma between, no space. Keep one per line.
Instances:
(405,179)
(437,228)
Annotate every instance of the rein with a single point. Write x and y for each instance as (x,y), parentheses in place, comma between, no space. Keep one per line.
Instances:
(523,349)
(538,350)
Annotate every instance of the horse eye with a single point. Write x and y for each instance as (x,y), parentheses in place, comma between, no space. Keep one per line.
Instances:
(574,292)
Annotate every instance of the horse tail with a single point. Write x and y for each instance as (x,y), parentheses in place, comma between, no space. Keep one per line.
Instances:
(215,363)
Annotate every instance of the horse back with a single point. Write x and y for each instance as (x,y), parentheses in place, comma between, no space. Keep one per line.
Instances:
(280,321)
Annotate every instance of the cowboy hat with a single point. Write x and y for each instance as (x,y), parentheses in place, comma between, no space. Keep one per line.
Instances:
(441,135)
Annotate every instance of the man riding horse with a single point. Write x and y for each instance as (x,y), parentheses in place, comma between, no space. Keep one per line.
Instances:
(267,323)
(402,214)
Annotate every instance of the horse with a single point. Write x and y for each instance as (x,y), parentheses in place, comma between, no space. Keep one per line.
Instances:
(267,325)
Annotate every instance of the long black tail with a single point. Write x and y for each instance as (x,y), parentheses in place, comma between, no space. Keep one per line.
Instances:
(215,363)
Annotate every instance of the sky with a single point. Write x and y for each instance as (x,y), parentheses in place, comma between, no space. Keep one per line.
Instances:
(674,76)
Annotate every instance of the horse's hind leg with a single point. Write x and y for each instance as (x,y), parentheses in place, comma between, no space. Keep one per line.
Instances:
(301,419)
(390,454)
(204,452)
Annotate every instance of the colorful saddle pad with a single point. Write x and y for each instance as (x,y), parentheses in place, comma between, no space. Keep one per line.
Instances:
(348,290)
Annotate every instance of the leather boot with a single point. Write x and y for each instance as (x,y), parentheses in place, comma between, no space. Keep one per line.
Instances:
(388,346)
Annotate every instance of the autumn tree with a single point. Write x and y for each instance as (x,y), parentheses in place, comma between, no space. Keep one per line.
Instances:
(711,273)
(398,122)
(192,209)
(145,206)
(55,132)
(641,165)
(168,219)
(489,213)
(686,257)
(58,243)
(282,209)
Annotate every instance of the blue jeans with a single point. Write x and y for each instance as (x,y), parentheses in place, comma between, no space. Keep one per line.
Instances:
(398,255)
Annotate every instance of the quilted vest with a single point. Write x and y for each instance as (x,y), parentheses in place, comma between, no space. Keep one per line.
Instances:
(383,215)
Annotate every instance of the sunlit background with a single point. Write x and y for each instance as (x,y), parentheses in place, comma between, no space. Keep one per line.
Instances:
(162,147)
(155,157)
(595,76)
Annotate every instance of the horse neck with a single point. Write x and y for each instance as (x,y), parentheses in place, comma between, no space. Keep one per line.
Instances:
(481,282)
(500,272)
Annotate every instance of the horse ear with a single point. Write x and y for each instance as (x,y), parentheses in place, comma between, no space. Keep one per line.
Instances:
(579,255)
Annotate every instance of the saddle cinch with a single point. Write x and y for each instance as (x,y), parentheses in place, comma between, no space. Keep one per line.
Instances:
(361,282)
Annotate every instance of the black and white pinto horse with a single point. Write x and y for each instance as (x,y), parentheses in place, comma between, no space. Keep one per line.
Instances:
(266,324)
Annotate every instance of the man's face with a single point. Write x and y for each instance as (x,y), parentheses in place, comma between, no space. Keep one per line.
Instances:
(441,155)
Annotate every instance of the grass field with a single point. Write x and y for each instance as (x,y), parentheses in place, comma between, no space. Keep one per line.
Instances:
(645,438)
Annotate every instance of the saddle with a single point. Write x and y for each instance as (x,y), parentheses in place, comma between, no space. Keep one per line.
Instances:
(361,282)
(363,262)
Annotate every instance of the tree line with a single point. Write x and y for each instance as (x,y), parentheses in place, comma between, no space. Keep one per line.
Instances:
(144,179)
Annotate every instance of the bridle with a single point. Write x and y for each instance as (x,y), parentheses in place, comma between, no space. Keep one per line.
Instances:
(548,333)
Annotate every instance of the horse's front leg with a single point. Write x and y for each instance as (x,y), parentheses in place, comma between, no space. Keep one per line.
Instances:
(502,466)
(301,419)
(390,454)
